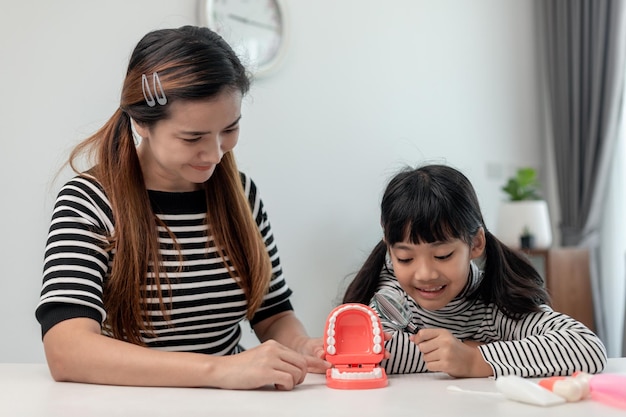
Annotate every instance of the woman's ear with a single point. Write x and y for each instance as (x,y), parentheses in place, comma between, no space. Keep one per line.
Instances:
(478,243)
(139,128)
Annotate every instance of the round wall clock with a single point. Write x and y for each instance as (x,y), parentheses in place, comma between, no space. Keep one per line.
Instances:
(255,29)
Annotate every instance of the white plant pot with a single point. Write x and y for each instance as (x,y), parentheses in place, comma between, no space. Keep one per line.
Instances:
(515,216)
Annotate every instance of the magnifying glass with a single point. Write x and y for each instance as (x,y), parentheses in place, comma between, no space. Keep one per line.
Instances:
(393,307)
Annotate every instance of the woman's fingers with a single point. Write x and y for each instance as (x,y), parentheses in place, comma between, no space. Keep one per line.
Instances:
(287,361)
(316,365)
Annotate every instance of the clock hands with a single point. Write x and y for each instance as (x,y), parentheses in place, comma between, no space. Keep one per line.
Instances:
(247,21)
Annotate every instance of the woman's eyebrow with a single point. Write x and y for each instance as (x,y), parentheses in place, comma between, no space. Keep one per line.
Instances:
(233,123)
(199,133)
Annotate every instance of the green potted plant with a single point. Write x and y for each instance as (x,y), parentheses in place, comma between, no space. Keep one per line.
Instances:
(523,186)
(523,220)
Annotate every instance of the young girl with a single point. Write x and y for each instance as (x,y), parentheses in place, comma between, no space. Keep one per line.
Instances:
(159,251)
(480,308)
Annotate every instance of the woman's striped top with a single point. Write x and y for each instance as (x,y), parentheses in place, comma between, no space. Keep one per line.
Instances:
(541,344)
(206,306)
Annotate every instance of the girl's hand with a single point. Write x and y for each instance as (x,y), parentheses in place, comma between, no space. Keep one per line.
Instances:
(267,364)
(443,352)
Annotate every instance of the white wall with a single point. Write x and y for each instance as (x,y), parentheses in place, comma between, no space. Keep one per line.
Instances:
(363,90)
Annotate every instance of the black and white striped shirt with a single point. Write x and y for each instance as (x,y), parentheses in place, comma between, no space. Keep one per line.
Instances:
(207,305)
(540,344)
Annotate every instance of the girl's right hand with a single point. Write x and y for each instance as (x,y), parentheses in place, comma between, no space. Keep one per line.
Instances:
(442,352)
(269,363)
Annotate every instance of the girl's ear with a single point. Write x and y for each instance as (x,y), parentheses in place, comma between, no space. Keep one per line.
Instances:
(478,244)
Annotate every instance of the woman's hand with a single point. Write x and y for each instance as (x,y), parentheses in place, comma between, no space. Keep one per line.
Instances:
(387,336)
(313,351)
(269,363)
(443,352)
(287,329)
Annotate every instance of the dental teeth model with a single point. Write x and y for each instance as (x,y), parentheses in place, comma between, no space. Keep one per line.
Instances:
(353,341)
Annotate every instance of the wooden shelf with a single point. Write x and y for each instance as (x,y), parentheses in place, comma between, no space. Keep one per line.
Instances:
(567,276)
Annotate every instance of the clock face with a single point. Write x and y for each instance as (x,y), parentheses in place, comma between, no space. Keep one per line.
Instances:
(255,29)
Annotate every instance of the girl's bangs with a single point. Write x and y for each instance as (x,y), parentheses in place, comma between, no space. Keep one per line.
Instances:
(421,221)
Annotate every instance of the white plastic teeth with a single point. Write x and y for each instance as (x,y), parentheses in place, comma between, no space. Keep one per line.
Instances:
(377,341)
(375,373)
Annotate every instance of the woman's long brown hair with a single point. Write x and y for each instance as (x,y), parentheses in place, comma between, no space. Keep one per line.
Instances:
(193,64)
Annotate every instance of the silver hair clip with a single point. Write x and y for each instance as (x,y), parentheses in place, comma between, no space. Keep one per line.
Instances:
(152,99)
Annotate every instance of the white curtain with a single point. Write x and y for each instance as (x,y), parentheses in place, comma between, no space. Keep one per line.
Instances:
(613,253)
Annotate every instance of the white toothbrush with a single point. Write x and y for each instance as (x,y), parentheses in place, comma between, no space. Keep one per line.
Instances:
(468,391)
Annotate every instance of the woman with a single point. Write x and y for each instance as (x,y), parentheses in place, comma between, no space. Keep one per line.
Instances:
(158,251)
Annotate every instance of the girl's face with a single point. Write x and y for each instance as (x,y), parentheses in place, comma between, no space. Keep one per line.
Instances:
(181,152)
(433,274)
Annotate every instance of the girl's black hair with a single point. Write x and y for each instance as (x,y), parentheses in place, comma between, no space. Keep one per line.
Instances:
(436,203)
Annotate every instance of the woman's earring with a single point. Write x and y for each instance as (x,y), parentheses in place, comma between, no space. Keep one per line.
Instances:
(136,137)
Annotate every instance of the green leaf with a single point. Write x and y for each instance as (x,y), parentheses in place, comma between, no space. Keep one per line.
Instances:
(523,186)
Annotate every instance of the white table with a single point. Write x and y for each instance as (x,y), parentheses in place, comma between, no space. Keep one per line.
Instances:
(28,390)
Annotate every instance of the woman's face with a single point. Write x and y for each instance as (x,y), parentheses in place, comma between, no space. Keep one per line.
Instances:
(180,153)
(433,274)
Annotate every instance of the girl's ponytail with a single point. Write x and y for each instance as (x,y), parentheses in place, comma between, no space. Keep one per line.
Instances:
(362,288)
(510,280)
